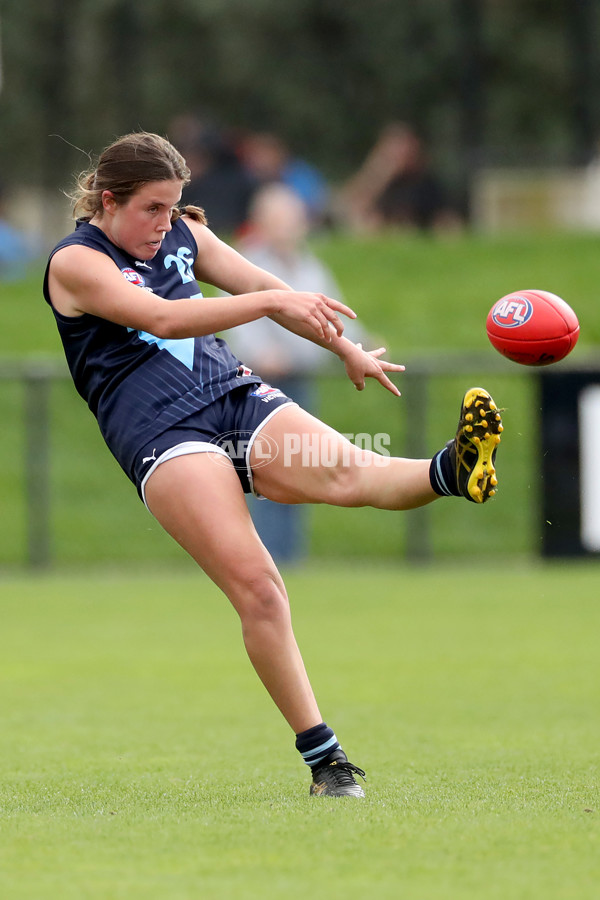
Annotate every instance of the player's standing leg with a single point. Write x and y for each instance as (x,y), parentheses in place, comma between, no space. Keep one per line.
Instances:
(198,499)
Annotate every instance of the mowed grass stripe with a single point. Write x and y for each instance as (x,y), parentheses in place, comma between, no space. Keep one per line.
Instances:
(141,758)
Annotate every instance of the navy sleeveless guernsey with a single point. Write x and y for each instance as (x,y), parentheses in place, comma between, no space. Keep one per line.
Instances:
(138,385)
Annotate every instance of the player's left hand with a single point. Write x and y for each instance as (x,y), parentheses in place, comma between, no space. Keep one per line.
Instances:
(361,364)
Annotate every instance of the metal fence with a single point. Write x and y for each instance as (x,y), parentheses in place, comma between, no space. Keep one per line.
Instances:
(37,378)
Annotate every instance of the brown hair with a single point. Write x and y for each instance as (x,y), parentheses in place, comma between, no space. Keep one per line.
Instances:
(126,165)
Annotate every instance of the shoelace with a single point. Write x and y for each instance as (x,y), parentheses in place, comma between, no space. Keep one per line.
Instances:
(349,770)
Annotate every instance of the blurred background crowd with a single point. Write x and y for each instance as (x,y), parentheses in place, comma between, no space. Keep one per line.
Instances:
(379,116)
(395,187)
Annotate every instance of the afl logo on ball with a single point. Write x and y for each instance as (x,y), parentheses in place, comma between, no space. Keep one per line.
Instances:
(510,313)
(133,277)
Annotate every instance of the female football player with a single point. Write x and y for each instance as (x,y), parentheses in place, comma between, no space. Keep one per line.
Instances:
(194,428)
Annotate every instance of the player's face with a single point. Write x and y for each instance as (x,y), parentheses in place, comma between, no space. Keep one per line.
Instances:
(139,225)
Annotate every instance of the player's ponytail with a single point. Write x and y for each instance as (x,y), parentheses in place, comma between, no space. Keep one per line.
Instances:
(86,199)
(194,212)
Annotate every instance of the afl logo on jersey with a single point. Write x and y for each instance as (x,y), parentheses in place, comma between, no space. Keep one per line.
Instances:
(133,277)
(512,313)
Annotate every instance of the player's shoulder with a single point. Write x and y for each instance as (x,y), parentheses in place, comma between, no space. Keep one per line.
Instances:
(68,254)
(79,263)
(85,242)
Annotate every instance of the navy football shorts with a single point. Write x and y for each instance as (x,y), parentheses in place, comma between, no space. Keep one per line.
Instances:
(228,426)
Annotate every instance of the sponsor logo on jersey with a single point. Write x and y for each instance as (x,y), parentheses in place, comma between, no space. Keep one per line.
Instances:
(512,313)
(266,393)
(133,277)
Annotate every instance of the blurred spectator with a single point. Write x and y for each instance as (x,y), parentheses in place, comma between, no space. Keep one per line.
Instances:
(220,183)
(268,158)
(276,241)
(396,187)
(16,249)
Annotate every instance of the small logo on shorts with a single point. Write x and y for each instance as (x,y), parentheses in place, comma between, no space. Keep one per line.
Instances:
(266,393)
(132,276)
(152,458)
(237,444)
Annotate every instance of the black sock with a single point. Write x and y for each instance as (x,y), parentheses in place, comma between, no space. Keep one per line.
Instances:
(442,476)
(316,743)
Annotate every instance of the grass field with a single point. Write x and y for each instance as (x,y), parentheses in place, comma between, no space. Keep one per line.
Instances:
(142,760)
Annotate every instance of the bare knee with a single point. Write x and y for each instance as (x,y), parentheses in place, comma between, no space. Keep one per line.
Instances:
(259,596)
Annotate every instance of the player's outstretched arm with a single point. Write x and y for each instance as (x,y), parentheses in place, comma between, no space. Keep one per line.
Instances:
(83,280)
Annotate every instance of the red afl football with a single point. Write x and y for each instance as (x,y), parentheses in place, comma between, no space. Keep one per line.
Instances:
(534,328)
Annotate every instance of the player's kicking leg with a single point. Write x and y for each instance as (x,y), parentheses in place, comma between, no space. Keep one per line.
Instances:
(335,471)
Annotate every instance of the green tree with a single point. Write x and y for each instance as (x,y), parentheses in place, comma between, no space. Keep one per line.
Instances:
(486,80)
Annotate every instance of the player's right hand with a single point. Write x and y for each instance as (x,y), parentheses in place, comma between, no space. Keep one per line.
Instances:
(318,312)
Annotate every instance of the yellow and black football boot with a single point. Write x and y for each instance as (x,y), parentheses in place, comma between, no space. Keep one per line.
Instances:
(473,450)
